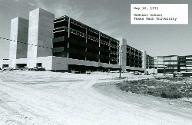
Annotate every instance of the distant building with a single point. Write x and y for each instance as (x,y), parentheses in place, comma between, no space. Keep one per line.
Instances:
(167,64)
(185,63)
(173,63)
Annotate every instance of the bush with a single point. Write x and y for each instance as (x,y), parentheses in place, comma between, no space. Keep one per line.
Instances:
(171,95)
(171,92)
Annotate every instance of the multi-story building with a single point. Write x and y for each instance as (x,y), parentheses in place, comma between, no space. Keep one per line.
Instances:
(60,44)
(75,40)
(131,59)
(19,32)
(185,63)
(65,44)
(149,62)
(167,64)
(173,63)
(134,57)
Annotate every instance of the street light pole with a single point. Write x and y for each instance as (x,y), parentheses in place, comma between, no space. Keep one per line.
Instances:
(120,71)
(120,62)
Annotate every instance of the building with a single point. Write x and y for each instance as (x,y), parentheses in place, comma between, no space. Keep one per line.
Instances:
(185,63)
(131,59)
(173,63)
(40,38)
(149,62)
(75,40)
(167,64)
(61,44)
(19,37)
(65,44)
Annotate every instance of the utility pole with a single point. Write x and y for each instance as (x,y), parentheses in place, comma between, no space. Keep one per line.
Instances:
(120,70)
(120,62)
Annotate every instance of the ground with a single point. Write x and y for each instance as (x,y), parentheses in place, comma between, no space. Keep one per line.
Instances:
(49,98)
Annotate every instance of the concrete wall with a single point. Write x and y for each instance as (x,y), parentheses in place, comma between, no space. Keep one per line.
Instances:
(46,62)
(61,63)
(19,37)
(40,35)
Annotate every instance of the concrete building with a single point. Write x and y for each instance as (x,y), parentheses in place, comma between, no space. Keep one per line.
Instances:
(93,49)
(19,32)
(131,59)
(185,63)
(167,64)
(40,36)
(65,44)
(173,63)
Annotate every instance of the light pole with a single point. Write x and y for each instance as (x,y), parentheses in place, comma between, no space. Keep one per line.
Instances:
(120,71)
(120,62)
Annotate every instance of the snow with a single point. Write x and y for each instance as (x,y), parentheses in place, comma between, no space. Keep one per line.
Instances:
(50,98)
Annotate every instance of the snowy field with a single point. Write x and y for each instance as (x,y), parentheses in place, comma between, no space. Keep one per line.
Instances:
(48,98)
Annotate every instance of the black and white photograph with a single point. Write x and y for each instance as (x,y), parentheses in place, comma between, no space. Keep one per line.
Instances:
(95,62)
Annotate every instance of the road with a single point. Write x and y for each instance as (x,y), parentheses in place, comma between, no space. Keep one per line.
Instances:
(49,98)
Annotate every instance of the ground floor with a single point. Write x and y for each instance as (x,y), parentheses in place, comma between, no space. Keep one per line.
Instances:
(52,63)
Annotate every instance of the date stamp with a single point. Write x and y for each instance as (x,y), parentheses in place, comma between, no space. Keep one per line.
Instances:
(159,13)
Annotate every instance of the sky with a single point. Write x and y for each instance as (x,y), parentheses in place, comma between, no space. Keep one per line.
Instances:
(109,16)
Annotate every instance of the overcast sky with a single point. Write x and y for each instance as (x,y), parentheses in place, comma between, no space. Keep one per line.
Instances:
(109,16)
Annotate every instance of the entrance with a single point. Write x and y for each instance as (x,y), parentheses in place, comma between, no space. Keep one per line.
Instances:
(20,66)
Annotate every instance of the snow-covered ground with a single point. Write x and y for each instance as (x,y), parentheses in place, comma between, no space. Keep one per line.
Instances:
(48,98)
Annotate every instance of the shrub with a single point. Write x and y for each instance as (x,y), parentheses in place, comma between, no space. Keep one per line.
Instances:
(153,87)
(171,92)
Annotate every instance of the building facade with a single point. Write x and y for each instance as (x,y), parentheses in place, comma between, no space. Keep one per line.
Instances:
(131,59)
(40,36)
(173,63)
(65,44)
(75,40)
(149,62)
(167,64)
(185,63)
(19,32)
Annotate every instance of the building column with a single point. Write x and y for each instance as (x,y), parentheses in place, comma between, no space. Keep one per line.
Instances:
(123,55)
(144,61)
(40,34)
(68,35)
(19,40)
